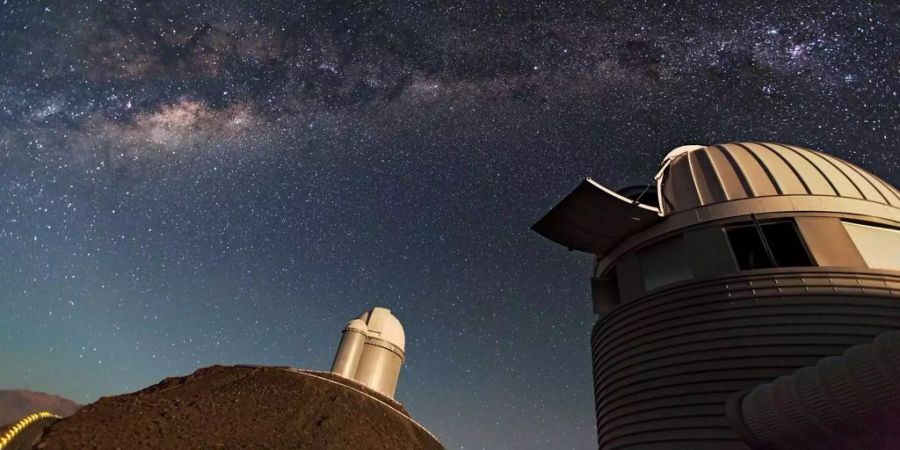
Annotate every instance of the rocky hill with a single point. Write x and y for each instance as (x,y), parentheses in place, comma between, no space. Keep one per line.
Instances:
(244,407)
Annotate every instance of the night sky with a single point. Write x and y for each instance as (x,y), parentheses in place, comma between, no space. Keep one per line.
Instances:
(193,183)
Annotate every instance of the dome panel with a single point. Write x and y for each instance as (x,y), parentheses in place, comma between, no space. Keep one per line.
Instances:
(841,184)
(864,181)
(864,185)
(787,180)
(701,176)
(383,325)
(748,170)
(811,177)
(708,185)
(732,184)
(887,191)
(683,194)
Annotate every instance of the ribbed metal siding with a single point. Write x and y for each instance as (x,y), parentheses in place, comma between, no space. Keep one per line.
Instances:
(665,365)
(739,170)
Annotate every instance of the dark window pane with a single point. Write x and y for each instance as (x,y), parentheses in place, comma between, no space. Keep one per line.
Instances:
(605,292)
(786,244)
(748,248)
(664,263)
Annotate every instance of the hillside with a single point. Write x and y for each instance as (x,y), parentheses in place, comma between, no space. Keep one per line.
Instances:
(18,403)
(243,407)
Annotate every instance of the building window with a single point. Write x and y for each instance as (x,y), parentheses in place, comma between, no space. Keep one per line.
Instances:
(605,292)
(748,248)
(664,263)
(766,245)
(879,246)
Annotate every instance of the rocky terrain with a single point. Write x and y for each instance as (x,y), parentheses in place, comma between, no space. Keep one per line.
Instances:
(243,407)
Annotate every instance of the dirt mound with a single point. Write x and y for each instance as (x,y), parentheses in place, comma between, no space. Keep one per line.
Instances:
(243,407)
(18,403)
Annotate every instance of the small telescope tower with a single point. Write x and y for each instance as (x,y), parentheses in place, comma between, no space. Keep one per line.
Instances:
(371,351)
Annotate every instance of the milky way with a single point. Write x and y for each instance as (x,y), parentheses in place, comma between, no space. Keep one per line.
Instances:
(184,184)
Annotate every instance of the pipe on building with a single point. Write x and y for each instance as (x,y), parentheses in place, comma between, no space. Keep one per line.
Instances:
(850,401)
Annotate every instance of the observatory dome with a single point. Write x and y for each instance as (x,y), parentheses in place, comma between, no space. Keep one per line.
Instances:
(372,350)
(726,293)
(695,176)
(385,326)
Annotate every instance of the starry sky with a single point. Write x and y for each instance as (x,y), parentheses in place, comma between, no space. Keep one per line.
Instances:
(193,183)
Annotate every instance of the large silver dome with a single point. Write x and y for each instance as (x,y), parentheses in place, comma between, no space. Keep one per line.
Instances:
(695,176)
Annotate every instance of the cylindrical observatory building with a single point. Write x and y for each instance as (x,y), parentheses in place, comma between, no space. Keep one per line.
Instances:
(746,299)
(372,350)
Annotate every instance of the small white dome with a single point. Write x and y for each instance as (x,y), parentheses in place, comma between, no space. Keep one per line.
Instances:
(383,325)
(357,325)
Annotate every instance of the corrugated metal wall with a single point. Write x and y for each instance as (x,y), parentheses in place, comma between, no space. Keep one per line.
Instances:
(665,365)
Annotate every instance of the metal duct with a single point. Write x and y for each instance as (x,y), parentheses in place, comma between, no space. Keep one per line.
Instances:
(850,401)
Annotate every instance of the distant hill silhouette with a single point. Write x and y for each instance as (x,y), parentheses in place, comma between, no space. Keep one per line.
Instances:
(18,403)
